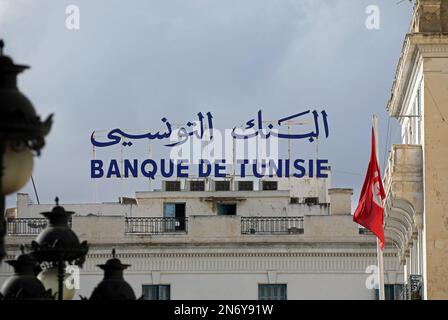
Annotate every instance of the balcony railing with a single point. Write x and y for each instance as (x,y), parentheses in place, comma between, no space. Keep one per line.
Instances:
(156,225)
(413,289)
(27,226)
(272,225)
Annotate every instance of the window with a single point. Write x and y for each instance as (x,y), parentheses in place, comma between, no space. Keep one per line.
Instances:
(172,185)
(391,292)
(245,185)
(156,292)
(222,185)
(312,201)
(295,200)
(176,214)
(270,185)
(419,118)
(272,292)
(227,209)
(197,186)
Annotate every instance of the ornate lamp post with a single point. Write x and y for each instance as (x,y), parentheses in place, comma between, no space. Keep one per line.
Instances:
(57,245)
(24,285)
(21,133)
(113,286)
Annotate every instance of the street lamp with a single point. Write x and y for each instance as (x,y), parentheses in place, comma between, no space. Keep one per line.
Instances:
(55,247)
(24,285)
(50,280)
(21,133)
(58,246)
(113,286)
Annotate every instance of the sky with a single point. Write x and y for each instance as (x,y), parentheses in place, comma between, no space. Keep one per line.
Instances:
(133,62)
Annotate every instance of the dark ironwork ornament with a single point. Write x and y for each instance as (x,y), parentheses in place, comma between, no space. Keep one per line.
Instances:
(23,284)
(21,129)
(20,126)
(113,286)
(58,244)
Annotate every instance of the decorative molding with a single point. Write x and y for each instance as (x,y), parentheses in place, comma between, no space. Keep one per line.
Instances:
(128,252)
(414,46)
(432,48)
(294,262)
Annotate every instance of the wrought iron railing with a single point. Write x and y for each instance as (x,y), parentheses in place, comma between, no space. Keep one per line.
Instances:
(272,225)
(156,225)
(27,226)
(413,289)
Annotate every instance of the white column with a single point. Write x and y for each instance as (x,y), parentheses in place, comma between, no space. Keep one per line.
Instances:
(415,256)
(420,252)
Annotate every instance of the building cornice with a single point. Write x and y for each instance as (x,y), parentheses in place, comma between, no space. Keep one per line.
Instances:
(313,261)
(100,252)
(416,46)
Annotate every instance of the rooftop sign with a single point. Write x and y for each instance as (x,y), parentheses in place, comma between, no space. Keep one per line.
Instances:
(197,146)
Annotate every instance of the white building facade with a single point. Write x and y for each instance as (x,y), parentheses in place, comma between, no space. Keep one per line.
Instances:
(227,239)
(417,174)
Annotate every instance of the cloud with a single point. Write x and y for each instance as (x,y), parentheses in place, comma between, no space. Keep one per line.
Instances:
(5,11)
(132,63)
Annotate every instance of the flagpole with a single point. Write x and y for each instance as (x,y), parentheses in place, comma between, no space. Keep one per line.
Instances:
(379,252)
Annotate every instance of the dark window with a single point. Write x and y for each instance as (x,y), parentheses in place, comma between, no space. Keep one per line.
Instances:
(222,185)
(272,292)
(227,209)
(270,185)
(197,186)
(245,185)
(364,231)
(312,201)
(172,185)
(156,292)
(175,214)
(295,200)
(391,292)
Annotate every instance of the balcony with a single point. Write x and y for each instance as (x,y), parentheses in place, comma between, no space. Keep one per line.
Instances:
(155,225)
(403,183)
(413,289)
(199,228)
(272,225)
(27,226)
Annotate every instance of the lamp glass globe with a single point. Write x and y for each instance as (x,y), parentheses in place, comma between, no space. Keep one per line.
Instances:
(49,279)
(18,167)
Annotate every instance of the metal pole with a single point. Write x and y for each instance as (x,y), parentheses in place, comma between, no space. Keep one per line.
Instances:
(234,158)
(61,274)
(122,169)
(2,227)
(2,206)
(95,184)
(289,141)
(150,157)
(289,156)
(378,248)
(35,190)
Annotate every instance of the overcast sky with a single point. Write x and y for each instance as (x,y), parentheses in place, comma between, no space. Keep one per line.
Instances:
(133,62)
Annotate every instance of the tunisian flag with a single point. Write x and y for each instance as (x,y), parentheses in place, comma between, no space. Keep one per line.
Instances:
(369,212)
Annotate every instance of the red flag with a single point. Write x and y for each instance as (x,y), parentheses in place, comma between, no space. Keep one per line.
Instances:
(369,212)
